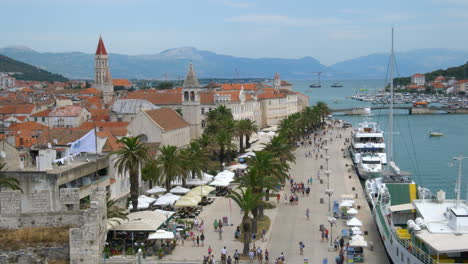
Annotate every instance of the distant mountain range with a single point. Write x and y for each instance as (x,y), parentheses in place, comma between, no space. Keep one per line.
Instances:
(211,65)
(26,71)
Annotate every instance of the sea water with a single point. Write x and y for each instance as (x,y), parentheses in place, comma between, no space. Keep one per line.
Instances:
(428,159)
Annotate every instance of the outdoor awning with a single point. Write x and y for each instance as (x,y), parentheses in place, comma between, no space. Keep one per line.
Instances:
(156,189)
(358,242)
(238,167)
(354,222)
(161,234)
(402,207)
(143,202)
(179,190)
(141,221)
(444,243)
(221,182)
(167,199)
(203,190)
(188,201)
(352,211)
(347,203)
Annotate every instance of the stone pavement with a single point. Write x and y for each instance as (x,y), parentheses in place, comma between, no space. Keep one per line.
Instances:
(289,224)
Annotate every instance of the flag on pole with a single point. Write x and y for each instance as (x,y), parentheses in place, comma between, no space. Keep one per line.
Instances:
(86,143)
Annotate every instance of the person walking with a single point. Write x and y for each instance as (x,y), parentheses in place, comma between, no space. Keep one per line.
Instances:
(278,197)
(301,248)
(220,232)
(215,225)
(209,250)
(307,213)
(229,260)
(223,255)
(326,234)
(236,257)
(220,224)
(267,256)
(202,238)
(198,241)
(263,235)
(251,256)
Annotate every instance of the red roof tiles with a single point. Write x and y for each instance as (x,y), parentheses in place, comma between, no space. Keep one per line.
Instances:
(167,119)
(101,49)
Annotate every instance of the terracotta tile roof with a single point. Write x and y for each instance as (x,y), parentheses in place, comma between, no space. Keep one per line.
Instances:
(17,109)
(158,98)
(61,136)
(20,118)
(414,86)
(285,83)
(238,86)
(90,125)
(418,75)
(121,82)
(27,90)
(99,114)
(69,110)
(42,113)
(440,78)
(30,125)
(167,118)
(89,91)
(101,49)
(267,94)
(111,142)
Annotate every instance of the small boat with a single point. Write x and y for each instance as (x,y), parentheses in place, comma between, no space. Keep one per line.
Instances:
(315,85)
(436,134)
(336,85)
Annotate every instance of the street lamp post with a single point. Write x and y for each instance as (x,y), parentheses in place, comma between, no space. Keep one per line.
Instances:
(332,221)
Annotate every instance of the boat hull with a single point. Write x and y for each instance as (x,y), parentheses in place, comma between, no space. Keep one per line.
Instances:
(365,175)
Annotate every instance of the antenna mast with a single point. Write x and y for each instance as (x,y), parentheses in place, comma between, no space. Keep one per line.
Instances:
(390,113)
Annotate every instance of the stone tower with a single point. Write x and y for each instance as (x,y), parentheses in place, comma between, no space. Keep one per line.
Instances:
(191,110)
(277,82)
(102,78)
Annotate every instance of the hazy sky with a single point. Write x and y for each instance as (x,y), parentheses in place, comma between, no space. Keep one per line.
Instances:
(330,31)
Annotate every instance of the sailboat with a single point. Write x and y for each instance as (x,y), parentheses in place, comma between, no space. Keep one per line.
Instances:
(436,133)
(316,85)
(416,226)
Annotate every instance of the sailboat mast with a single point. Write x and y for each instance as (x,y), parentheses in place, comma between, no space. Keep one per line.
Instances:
(390,112)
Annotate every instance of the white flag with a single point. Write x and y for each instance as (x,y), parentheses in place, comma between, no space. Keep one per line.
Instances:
(87,143)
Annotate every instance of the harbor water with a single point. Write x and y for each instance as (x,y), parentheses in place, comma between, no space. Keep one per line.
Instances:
(428,159)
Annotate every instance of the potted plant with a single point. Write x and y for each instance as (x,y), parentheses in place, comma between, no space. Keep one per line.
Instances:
(160,253)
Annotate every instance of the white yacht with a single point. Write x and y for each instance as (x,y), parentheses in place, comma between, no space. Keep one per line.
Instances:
(367,149)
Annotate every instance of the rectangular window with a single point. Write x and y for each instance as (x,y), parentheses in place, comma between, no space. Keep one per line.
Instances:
(43,119)
(203,111)
(35,119)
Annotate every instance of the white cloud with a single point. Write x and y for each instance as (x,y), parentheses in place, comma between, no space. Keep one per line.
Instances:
(284,20)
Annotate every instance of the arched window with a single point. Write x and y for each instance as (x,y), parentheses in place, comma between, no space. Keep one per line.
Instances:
(186,96)
(192,96)
(143,138)
(203,123)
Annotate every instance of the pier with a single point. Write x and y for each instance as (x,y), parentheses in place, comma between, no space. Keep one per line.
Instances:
(411,110)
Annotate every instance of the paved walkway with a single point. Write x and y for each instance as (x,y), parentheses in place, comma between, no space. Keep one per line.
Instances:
(289,224)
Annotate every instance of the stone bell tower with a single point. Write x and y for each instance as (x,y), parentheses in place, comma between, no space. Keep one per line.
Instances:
(191,110)
(102,76)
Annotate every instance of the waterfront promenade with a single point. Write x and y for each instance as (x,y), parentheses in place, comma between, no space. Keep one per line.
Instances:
(289,224)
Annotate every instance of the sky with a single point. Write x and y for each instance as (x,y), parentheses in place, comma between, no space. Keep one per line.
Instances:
(330,31)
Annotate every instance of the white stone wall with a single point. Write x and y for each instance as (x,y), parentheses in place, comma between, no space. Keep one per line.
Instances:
(177,137)
(143,125)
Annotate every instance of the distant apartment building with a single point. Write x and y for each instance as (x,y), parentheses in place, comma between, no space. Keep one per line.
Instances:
(418,79)
(461,86)
(6,82)
(62,116)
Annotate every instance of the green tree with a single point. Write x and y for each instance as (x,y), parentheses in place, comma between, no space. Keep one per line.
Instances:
(168,166)
(194,161)
(131,157)
(247,200)
(279,147)
(8,182)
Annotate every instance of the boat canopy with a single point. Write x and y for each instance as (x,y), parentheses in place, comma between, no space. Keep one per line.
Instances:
(444,243)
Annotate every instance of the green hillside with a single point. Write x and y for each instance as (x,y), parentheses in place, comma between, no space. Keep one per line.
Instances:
(459,72)
(28,72)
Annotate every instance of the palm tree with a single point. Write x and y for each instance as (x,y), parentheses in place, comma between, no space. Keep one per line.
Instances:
(250,128)
(8,182)
(280,148)
(195,161)
(224,141)
(257,180)
(323,110)
(168,166)
(247,201)
(132,156)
